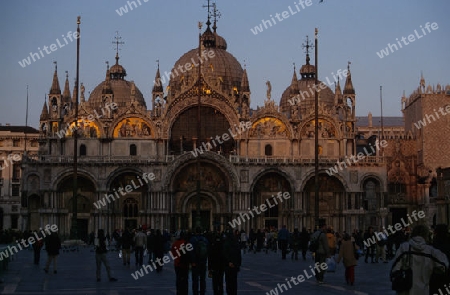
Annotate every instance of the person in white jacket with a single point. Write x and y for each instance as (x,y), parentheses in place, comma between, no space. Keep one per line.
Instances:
(424,260)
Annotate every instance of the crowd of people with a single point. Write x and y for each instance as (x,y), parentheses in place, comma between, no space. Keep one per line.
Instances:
(218,254)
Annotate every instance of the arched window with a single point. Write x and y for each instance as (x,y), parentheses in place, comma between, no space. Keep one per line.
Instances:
(133,150)
(82,150)
(130,208)
(268,150)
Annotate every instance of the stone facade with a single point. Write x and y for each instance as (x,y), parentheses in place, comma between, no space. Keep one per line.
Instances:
(14,140)
(202,156)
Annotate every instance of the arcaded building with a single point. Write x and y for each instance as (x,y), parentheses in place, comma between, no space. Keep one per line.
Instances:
(237,159)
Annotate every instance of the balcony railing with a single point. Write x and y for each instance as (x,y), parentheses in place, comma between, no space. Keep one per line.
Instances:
(232,158)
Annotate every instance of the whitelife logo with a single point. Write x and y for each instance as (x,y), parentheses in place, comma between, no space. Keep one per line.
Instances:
(411,38)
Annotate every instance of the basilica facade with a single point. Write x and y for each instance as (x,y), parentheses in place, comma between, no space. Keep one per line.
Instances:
(200,155)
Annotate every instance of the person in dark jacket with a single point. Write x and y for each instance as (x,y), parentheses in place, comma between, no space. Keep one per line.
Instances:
(232,262)
(283,236)
(151,246)
(199,259)
(304,241)
(52,245)
(37,248)
(159,248)
(100,255)
(126,242)
(441,241)
(216,263)
(369,235)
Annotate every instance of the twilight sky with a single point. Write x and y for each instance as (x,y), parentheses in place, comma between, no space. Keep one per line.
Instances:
(349,30)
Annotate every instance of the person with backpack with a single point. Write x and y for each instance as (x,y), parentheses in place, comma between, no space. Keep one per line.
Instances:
(100,256)
(181,264)
(421,258)
(319,245)
(199,259)
(140,241)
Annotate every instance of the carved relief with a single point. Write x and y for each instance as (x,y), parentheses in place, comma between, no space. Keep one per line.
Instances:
(268,128)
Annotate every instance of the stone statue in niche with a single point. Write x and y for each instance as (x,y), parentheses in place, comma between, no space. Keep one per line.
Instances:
(269,90)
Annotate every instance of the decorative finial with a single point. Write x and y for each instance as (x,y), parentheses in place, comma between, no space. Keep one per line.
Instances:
(117,42)
(67,74)
(307,46)
(56,65)
(107,65)
(245,64)
(78,20)
(208,23)
(294,65)
(157,61)
(216,15)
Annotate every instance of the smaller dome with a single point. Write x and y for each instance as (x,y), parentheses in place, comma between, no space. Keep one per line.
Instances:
(220,42)
(307,69)
(117,69)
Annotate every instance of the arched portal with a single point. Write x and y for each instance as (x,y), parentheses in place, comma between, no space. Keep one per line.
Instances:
(130,198)
(331,198)
(86,194)
(213,128)
(201,196)
(266,191)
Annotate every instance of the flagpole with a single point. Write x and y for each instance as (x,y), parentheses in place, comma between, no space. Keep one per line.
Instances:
(74,227)
(26,125)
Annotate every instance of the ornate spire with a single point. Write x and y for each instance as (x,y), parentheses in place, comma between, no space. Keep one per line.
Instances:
(66,93)
(74,94)
(422,80)
(107,83)
(307,46)
(245,86)
(294,83)
(157,87)
(348,89)
(44,113)
(338,93)
(55,89)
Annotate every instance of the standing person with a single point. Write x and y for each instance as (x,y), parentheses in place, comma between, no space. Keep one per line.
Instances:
(243,240)
(181,264)
(295,243)
(52,245)
(423,260)
(151,246)
(283,236)
(369,235)
(100,256)
(199,259)
(158,249)
(331,241)
(381,244)
(252,238)
(140,241)
(322,252)
(441,241)
(37,248)
(347,254)
(232,258)
(126,241)
(304,241)
(216,263)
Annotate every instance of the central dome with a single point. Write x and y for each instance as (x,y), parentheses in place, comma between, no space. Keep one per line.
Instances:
(220,69)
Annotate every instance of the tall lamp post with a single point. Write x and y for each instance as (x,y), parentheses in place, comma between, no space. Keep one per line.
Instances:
(199,199)
(316,133)
(74,227)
